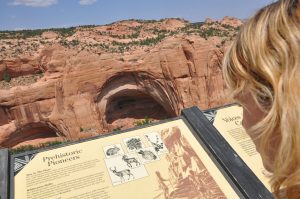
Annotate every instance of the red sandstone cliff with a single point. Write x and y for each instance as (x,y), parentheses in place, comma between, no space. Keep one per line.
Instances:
(82,94)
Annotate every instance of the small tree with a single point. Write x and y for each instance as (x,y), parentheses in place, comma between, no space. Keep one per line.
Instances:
(6,76)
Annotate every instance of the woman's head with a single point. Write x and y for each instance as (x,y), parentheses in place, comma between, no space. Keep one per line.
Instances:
(262,71)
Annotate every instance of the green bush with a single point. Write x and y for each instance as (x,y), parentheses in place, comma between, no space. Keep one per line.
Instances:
(118,128)
(74,42)
(143,122)
(6,76)
(64,43)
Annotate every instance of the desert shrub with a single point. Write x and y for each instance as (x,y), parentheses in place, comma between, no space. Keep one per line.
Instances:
(64,43)
(143,122)
(18,50)
(74,42)
(118,128)
(6,76)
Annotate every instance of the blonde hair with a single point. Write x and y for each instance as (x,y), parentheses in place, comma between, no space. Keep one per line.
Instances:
(264,61)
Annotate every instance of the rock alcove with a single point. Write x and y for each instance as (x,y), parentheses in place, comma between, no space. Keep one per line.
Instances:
(132,96)
(31,134)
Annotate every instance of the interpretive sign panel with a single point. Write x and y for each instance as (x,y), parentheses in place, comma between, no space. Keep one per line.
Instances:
(170,159)
(228,121)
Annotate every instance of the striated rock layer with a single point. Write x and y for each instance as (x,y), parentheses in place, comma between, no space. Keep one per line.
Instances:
(83,94)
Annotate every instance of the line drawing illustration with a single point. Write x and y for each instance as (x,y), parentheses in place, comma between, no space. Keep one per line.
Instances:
(122,173)
(112,151)
(157,144)
(133,143)
(130,161)
(125,168)
(147,155)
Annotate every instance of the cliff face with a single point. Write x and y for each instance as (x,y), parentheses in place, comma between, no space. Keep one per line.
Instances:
(83,94)
(82,91)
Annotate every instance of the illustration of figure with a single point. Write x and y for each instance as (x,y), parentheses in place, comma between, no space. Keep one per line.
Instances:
(162,184)
(130,161)
(121,174)
(187,173)
(147,155)
(112,151)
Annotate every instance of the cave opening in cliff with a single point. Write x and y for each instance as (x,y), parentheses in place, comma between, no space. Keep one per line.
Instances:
(32,134)
(129,97)
(130,105)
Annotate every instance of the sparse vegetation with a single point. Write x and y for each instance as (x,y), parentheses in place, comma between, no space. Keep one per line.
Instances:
(143,122)
(74,42)
(86,130)
(144,34)
(121,47)
(87,26)
(24,34)
(9,82)
(25,148)
(69,44)
(118,128)
(192,27)
(209,32)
